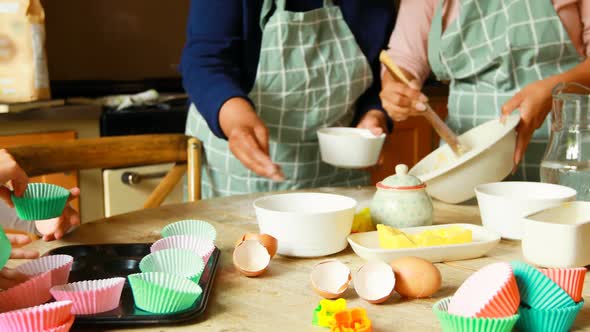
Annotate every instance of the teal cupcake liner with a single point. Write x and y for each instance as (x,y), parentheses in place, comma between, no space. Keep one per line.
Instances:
(181,262)
(551,320)
(455,323)
(190,227)
(537,290)
(41,201)
(5,248)
(163,293)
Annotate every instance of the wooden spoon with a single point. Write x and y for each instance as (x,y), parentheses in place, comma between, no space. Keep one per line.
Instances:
(439,125)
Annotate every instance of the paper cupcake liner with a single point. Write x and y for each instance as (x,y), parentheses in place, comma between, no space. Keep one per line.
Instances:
(91,296)
(41,201)
(190,227)
(503,302)
(163,293)
(552,320)
(455,323)
(181,262)
(59,266)
(64,327)
(570,280)
(202,246)
(39,318)
(537,290)
(30,293)
(5,248)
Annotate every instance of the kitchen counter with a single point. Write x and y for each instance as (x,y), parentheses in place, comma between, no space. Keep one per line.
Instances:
(56,113)
(282,298)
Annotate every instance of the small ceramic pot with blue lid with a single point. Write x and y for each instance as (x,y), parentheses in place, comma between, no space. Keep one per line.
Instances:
(401,201)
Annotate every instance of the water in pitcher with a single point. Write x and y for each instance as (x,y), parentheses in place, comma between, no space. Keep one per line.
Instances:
(574,175)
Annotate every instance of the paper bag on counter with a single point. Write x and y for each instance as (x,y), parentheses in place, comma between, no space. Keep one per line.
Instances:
(23,61)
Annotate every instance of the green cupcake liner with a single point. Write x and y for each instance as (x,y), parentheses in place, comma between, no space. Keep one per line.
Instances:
(190,227)
(537,290)
(41,201)
(455,323)
(163,293)
(5,248)
(552,320)
(181,262)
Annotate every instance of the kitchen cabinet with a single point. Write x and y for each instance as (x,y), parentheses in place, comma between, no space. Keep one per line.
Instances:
(66,180)
(412,139)
(122,197)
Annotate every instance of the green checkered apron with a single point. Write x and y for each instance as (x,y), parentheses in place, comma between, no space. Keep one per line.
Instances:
(310,74)
(493,50)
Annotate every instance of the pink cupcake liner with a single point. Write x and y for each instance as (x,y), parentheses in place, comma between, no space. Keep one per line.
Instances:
(59,266)
(38,318)
(570,280)
(91,296)
(64,327)
(202,246)
(491,292)
(32,292)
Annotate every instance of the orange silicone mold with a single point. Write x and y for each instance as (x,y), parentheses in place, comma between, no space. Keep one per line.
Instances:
(353,320)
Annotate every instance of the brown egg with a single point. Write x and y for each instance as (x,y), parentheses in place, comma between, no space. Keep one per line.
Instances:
(330,278)
(416,277)
(251,258)
(269,242)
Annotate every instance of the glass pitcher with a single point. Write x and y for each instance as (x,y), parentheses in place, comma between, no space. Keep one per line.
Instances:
(567,158)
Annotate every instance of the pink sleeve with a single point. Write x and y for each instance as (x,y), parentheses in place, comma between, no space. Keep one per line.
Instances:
(408,45)
(585,17)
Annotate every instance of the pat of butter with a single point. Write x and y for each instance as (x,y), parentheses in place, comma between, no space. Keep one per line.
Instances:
(392,238)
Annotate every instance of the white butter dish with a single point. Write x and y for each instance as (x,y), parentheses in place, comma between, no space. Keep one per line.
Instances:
(366,245)
(558,237)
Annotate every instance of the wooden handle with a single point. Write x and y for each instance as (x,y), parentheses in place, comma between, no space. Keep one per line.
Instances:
(439,125)
(392,67)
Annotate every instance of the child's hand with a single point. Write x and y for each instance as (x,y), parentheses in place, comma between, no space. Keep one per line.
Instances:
(11,171)
(9,277)
(534,102)
(56,228)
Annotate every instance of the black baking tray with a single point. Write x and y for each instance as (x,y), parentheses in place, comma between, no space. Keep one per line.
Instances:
(119,260)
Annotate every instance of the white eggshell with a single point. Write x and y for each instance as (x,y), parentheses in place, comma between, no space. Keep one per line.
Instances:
(330,278)
(251,258)
(374,282)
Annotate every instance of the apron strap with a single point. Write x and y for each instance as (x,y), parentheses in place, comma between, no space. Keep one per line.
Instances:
(266,11)
(434,44)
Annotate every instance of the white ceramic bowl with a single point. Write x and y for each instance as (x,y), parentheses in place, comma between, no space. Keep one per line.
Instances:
(502,205)
(490,149)
(306,224)
(349,147)
(558,237)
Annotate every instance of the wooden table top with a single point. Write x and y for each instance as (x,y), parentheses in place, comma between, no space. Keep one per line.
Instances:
(282,298)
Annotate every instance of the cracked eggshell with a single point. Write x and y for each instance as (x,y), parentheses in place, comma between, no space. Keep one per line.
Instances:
(330,278)
(270,243)
(374,282)
(251,258)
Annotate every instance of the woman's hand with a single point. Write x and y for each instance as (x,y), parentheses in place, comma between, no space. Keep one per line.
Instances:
(375,121)
(401,101)
(56,228)
(9,277)
(534,102)
(10,171)
(248,138)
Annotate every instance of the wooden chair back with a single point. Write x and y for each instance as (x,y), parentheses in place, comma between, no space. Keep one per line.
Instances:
(118,152)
